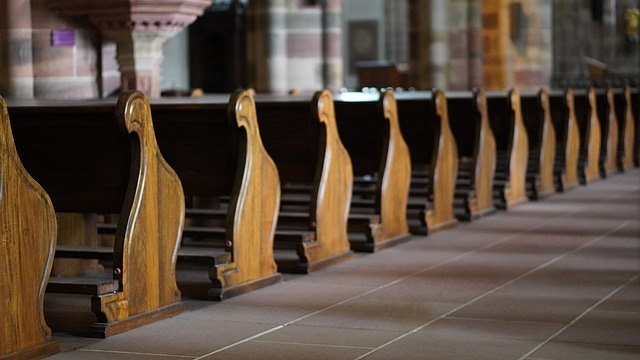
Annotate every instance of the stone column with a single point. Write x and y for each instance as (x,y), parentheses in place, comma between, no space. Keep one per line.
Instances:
(495,53)
(16,44)
(139,56)
(439,48)
(139,29)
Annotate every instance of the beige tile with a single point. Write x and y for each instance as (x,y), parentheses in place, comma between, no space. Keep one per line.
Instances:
(605,328)
(578,351)
(330,336)
(262,351)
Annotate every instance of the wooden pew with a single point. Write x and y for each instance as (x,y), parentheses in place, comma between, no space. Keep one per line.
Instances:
(609,129)
(635,110)
(542,145)
(626,126)
(370,131)
(28,233)
(301,135)
(505,117)
(476,153)
(424,121)
(590,135)
(215,147)
(92,161)
(562,106)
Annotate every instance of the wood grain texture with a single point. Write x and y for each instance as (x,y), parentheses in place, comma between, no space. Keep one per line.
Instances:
(486,158)
(443,172)
(563,114)
(300,134)
(590,138)
(610,148)
(627,138)
(395,174)
(27,244)
(254,205)
(214,145)
(333,183)
(505,115)
(369,129)
(148,232)
(541,134)
(519,155)
(635,110)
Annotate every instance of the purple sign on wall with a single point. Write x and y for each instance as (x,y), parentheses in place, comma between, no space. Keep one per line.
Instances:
(63,37)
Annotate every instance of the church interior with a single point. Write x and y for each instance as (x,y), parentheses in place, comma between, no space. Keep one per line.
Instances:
(320,179)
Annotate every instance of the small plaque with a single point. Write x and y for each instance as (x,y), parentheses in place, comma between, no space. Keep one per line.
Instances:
(63,37)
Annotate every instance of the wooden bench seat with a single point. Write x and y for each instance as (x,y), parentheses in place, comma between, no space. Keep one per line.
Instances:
(301,135)
(512,144)
(370,131)
(102,157)
(542,144)
(469,119)
(214,145)
(28,232)
(424,120)
(563,115)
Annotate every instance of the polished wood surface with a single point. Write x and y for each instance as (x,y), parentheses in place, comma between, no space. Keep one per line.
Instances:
(425,124)
(635,111)
(610,132)
(590,135)
(485,159)
(542,145)
(112,165)
(300,133)
(370,131)
(28,233)
(214,145)
(505,116)
(563,114)
(628,132)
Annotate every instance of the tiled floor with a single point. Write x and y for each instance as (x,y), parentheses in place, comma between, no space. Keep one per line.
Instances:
(555,279)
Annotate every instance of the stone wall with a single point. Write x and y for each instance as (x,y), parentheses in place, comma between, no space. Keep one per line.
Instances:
(33,67)
(582,34)
(288,48)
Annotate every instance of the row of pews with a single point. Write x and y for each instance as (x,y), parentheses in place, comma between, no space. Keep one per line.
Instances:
(250,185)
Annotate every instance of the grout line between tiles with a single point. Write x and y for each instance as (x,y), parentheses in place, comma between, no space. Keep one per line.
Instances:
(457,257)
(135,353)
(615,291)
(540,267)
(319,345)
(507,238)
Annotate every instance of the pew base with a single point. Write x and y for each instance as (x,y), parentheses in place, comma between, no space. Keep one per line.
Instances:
(516,202)
(103,330)
(219,294)
(442,225)
(471,215)
(361,244)
(39,351)
(288,264)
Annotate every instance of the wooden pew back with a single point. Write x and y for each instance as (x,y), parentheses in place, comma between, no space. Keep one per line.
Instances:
(505,116)
(27,244)
(542,145)
(425,124)
(563,113)
(370,131)
(215,145)
(301,135)
(90,162)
